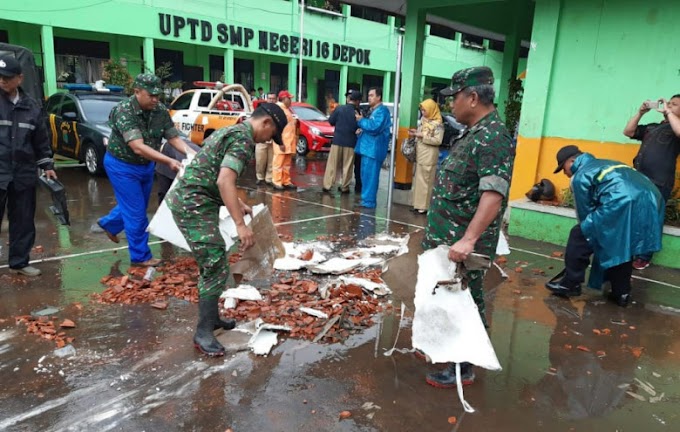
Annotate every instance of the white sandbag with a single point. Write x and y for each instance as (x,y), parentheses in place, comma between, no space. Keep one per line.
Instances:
(163,225)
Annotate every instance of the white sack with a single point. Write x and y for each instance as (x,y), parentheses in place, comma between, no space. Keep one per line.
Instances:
(447,326)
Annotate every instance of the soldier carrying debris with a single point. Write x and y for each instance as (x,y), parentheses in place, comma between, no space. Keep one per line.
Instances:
(471,190)
(208,183)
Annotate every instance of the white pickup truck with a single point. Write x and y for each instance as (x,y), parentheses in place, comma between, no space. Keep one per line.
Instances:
(197,113)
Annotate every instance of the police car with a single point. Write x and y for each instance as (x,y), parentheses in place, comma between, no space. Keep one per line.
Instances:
(77,122)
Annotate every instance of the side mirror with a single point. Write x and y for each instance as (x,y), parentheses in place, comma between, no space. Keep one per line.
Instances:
(70,116)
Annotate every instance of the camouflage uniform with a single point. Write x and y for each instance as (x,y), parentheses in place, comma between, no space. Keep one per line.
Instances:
(195,202)
(129,122)
(481,160)
(132,175)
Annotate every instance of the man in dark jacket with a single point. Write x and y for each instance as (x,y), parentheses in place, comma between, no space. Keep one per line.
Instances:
(344,140)
(23,148)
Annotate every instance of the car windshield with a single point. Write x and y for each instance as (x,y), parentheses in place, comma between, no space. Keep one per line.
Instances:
(97,110)
(309,113)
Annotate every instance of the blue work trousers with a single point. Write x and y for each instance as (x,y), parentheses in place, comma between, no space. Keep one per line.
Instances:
(370,176)
(132,186)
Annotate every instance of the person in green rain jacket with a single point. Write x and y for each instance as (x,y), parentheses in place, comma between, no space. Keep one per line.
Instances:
(620,214)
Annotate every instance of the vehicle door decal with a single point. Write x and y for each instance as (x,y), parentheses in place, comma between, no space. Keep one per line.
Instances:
(53,128)
(75,133)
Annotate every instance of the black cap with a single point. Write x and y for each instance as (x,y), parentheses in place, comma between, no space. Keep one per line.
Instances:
(564,154)
(278,116)
(9,66)
(354,95)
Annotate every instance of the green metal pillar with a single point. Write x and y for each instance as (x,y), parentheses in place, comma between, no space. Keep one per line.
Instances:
(149,56)
(387,86)
(229,66)
(344,71)
(546,25)
(513,41)
(49,62)
(346,13)
(293,76)
(412,66)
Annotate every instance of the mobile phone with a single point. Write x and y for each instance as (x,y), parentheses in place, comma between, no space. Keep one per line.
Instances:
(654,104)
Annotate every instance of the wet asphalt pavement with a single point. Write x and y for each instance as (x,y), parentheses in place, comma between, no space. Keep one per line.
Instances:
(135,367)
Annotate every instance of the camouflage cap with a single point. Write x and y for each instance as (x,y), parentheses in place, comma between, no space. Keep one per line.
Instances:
(148,82)
(469,77)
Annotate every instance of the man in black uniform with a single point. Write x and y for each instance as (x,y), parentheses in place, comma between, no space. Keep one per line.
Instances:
(23,148)
(659,151)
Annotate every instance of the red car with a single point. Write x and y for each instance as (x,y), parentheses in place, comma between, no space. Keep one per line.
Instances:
(316,134)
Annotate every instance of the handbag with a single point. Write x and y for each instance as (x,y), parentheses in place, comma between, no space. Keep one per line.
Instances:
(408,149)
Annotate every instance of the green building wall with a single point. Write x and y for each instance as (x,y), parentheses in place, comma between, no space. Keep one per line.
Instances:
(126,24)
(590,66)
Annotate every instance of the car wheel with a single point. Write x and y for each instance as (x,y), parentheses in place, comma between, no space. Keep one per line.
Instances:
(94,160)
(302,147)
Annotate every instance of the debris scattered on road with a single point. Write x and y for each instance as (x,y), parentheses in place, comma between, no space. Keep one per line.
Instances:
(243,292)
(67,351)
(45,327)
(179,279)
(47,311)
(345,415)
(453,420)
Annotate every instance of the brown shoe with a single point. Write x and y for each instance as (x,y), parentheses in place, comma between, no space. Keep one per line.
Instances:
(153,262)
(114,238)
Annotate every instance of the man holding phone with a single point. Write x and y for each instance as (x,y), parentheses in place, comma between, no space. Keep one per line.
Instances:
(659,151)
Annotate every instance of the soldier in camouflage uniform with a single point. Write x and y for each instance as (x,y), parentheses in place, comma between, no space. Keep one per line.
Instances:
(138,124)
(471,191)
(208,183)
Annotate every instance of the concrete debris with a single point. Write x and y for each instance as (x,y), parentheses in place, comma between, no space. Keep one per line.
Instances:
(379,289)
(47,311)
(229,303)
(636,396)
(336,266)
(67,351)
(646,387)
(284,305)
(243,292)
(656,399)
(314,312)
(290,264)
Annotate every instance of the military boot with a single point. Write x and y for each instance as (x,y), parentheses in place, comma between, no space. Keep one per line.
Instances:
(204,339)
(446,379)
(224,324)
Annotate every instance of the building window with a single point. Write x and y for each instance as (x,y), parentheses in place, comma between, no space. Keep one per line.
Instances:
(4,37)
(523,52)
(497,45)
(278,77)
(216,67)
(80,61)
(371,81)
(442,31)
(244,73)
(370,14)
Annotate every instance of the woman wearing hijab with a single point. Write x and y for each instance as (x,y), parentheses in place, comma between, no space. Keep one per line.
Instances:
(428,137)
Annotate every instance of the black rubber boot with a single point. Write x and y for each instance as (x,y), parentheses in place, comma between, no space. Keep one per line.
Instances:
(226,324)
(446,379)
(204,339)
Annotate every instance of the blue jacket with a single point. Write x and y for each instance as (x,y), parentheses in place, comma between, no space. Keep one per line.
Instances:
(620,210)
(345,123)
(375,134)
